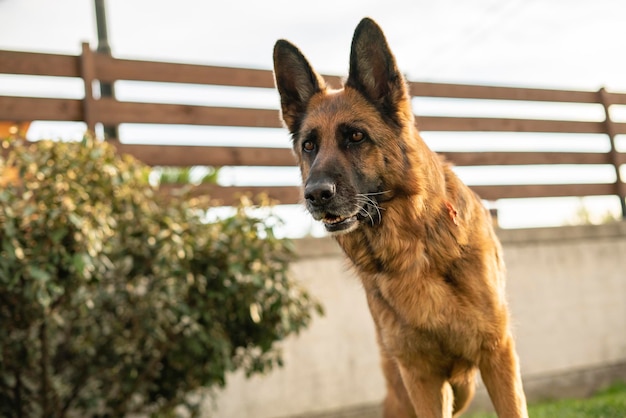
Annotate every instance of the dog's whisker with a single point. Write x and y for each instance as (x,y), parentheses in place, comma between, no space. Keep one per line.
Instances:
(375,193)
(364,199)
(370,200)
(374,204)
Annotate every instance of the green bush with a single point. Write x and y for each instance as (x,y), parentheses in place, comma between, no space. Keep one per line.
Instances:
(115,299)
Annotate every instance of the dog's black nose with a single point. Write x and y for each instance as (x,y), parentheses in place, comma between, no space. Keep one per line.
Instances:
(319,193)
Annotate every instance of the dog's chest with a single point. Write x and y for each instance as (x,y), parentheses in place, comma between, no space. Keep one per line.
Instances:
(421,315)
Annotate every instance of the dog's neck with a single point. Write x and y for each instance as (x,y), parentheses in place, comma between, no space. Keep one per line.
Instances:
(415,235)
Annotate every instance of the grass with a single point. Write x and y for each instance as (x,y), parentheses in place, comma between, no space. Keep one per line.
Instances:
(608,403)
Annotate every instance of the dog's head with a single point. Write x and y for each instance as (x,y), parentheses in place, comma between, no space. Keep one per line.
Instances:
(353,145)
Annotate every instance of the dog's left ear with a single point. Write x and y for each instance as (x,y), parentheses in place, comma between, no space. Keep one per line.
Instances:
(296,82)
(373,69)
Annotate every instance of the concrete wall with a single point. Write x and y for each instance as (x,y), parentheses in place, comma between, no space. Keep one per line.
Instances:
(567,293)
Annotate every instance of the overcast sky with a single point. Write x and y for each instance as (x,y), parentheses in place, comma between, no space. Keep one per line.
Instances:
(551,43)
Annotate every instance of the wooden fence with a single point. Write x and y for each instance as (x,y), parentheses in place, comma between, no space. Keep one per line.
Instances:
(91,66)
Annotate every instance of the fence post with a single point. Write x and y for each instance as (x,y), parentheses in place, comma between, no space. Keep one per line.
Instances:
(87,72)
(620,186)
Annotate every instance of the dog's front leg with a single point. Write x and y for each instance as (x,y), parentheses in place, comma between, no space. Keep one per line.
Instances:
(500,372)
(431,395)
(397,403)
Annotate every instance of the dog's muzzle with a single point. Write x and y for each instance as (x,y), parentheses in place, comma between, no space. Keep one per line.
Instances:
(325,205)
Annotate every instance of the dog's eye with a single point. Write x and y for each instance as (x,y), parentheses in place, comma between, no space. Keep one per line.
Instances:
(356,136)
(308,146)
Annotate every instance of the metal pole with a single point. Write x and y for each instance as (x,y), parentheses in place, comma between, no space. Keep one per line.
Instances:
(106,88)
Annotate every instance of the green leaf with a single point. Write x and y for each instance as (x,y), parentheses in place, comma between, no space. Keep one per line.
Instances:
(38,274)
(78,261)
(57,235)
(43,297)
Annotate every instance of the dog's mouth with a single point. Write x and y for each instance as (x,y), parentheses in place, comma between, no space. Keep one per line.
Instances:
(366,210)
(334,223)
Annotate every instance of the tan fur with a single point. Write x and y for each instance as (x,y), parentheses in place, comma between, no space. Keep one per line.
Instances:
(429,261)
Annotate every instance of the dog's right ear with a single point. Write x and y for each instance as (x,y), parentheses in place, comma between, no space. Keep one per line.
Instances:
(296,82)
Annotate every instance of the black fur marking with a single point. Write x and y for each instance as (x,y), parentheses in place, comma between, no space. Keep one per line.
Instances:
(295,128)
(389,112)
(450,279)
(405,158)
(378,265)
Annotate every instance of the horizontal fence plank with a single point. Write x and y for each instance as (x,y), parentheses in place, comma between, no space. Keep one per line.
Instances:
(229,196)
(542,190)
(464,124)
(619,128)
(463,91)
(615,98)
(111,69)
(113,112)
(182,155)
(524,158)
(30,63)
(30,109)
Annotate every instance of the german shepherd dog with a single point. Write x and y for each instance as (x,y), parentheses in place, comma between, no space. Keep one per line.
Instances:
(420,240)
